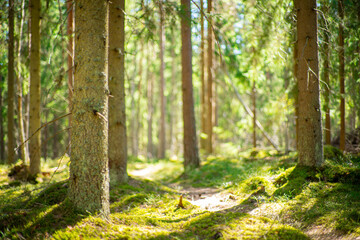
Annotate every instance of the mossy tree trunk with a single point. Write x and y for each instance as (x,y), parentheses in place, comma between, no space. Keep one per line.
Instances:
(35,89)
(117,118)
(310,144)
(89,175)
(11,89)
(191,152)
(70,59)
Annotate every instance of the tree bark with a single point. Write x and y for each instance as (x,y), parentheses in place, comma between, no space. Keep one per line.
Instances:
(253,98)
(326,68)
(11,89)
(2,134)
(35,88)
(191,154)
(310,144)
(162,141)
(342,76)
(117,116)
(202,78)
(24,152)
(209,97)
(70,58)
(89,175)
(150,94)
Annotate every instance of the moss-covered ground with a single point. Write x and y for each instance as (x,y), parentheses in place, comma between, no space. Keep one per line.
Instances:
(271,198)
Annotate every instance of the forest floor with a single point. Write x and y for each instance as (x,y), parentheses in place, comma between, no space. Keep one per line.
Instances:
(257,195)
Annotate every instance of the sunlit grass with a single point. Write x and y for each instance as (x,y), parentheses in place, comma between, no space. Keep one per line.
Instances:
(274,200)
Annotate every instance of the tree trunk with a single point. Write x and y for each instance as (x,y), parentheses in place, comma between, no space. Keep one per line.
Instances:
(203,140)
(24,154)
(326,67)
(253,98)
(2,134)
(35,90)
(138,104)
(209,98)
(89,175)
(11,89)
(342,76)
(191,154)
(150,94)
(55,139)
(161,150)
(70,60)
(117,116)
(310,144)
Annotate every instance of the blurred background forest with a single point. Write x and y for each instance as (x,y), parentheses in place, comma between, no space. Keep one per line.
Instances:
(253,50)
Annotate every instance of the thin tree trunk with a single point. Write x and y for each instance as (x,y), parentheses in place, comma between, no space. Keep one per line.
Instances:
(202,78)
(161,150)
(45,137)
(253,97)
(11,90)
(34,119)
(310,144)
(191,153)
(138,104)
(55,139)
(2,134)
(70,59)
(342,76)
(24,154)
(326,66)
(132,125)
(117,116)
(209,98)
(150,107)
(172,97)
(89,175)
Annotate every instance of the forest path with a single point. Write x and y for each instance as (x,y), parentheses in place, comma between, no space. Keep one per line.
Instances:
(208,198)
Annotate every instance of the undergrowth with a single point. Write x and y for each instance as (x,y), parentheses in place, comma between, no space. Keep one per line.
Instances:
(275,199)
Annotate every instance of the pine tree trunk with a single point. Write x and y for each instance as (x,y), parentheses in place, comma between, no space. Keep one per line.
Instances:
(191,154)
(161,150)
(342,76)
(11,89)
(253,98)
(117,116)
(2,134)
(326,67)
(295,72)
(209,97)
(24,154)
(89,175)
(310,144)
(138,104)
(70,59)
(55,141)
(202,78)
(150,94)
(35,90)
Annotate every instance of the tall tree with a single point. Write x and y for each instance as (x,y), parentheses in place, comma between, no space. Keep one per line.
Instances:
(342,75)
(209,85)
(161,150)
(191,153)
(89,175)
(310,144)
(117,118)
(34,118)
(150,94)
(326,71)
(11,89)
(24,152)
(70,53)
(202,78)
(2,137)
